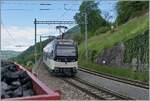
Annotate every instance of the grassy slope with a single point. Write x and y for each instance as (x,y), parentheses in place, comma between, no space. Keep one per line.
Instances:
(123,33)
(28,55)
(127,31)
(72,32)
(7,54)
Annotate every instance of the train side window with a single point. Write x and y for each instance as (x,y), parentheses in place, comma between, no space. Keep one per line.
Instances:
(51,54)
(44,55)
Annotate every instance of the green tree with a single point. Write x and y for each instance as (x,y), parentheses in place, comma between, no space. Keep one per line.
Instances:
(130,9)
(93,16)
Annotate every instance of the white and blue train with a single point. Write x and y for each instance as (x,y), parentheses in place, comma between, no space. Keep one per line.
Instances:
(61,57)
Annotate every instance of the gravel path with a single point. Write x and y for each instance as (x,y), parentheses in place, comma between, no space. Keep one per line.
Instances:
(68,92)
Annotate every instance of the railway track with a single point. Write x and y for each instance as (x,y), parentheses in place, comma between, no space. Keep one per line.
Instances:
(97,92)
(114,89)
(119,79)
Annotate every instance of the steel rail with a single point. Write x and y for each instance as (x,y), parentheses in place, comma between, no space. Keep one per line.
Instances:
(115,78)
(84,90)
(106,91)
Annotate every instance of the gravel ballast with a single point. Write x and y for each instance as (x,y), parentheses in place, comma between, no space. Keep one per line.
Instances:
(68,92)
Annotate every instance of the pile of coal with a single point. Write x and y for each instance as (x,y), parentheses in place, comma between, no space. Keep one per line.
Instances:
(14,83)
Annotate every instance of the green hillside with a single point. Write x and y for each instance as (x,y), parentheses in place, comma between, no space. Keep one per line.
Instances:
(28,55)
(74,33)
(71,33)
(96,44)
(7,54)
(125,32)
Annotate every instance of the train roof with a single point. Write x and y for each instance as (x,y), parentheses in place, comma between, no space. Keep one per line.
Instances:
(64,41)
(60,42)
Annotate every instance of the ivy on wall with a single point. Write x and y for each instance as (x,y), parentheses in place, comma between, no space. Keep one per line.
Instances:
(138,48)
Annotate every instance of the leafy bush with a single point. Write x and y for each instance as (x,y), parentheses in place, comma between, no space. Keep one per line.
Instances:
(130,9)
(77,38)
(137,48)
(94,18)
(102,30)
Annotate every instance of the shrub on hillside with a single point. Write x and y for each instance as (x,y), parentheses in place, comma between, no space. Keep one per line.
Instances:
(102,30)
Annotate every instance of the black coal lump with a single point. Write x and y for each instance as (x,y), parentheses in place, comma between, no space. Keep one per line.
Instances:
(22,74)
(11,87)
(18,92)
(3,93)
(3,70)
(15,83)
(13,68)
(5,96)
(4,85)
(28,85)
(25,80)
(10,77)
(10,93)
(28,92)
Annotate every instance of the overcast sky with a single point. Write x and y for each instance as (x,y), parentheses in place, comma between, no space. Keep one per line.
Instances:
(17,26)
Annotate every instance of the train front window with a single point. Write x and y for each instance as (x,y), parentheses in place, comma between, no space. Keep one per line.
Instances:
(64,50)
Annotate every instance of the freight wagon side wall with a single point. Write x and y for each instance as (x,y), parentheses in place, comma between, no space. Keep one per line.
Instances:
(42,91)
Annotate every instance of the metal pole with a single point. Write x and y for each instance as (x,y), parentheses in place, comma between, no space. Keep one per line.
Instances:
(86,38)
(35,54)
(41,43)
(0,48)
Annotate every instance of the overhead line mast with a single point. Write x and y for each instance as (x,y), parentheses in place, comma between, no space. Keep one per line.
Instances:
(85,32)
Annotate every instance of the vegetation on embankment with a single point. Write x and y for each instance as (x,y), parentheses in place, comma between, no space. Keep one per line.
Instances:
(8,54)
(137,48)
(96,44)
(26,58)
(116,71)
(127,10)
(131,29)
